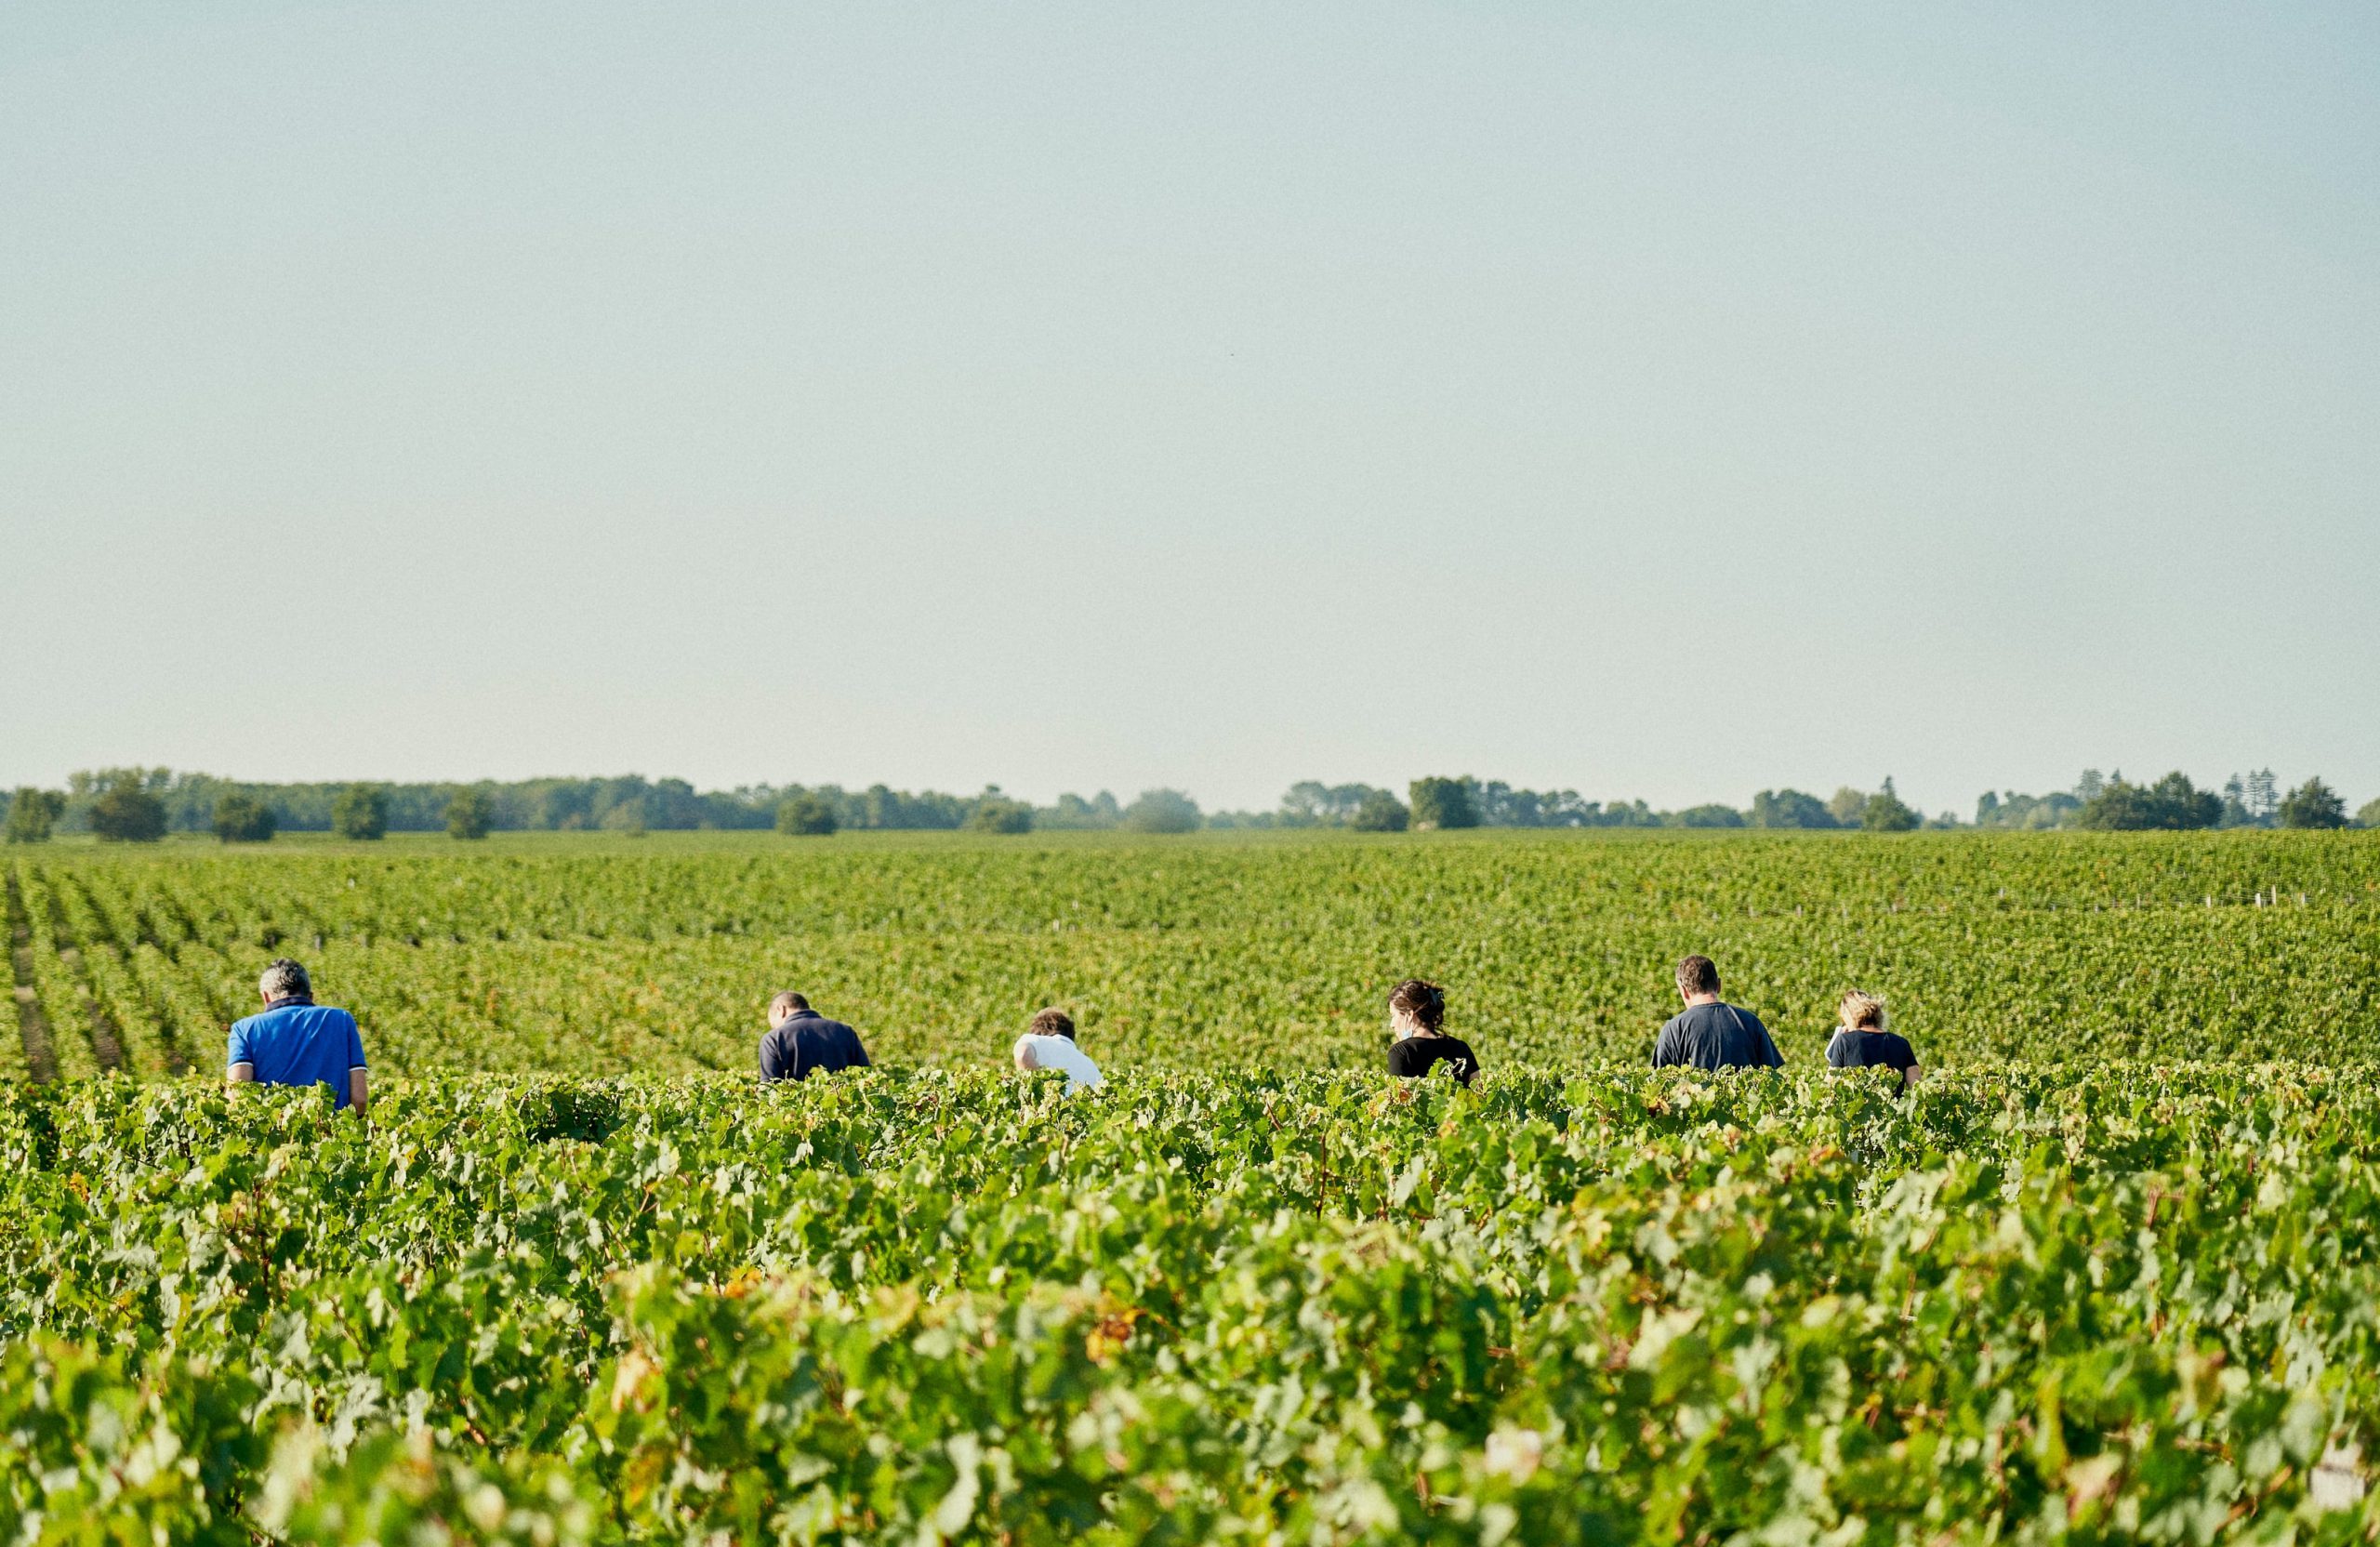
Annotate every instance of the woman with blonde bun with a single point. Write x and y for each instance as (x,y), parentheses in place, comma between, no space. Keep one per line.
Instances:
(1862,1042)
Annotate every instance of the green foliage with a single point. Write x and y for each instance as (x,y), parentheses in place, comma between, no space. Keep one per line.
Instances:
(33,814)
(1846,806)
(361,813)
(1161,811)
(1710,816)
(125,812)
(2369,816)
(1789,807)
(590,956)
(1884,811)
(470,814)
(243,819)
(1380,812)
(1597,1304)
(2035,813)
(2171,803)
(806,817)
(2313,804)
(996,812)
(1443,803)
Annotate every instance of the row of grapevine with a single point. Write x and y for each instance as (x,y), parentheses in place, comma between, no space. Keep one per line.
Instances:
(64,1001)
(1610,1306)
(1554,948)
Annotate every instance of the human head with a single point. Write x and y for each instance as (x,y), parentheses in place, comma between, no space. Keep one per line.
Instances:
(1698,974)
(784,1005)
(284,980)
(1417,1006)
(1052,1022)
(1863,1011)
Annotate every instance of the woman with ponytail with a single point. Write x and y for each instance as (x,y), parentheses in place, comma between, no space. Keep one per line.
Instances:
(1417,1018)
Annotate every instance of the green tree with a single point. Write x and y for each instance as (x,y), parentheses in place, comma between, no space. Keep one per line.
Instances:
(1847,806)
(33,814)
(806,815)
(2369,816)
(1713,816)
(1162,811)
(2173,804)
(361,813)
(470,813)
(2313,804)
(995,812)
(1886,811)
(1439,802)
(1380,813)
(1789,807)
(244,819)
(127,814)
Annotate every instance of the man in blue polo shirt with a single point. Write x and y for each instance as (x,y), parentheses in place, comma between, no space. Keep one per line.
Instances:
(295,1041)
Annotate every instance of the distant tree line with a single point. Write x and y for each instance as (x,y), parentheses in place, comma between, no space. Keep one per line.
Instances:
(144,804)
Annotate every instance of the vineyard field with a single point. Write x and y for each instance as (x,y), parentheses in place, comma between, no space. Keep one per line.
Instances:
(936,1305)
(573,955)
(2109,1273)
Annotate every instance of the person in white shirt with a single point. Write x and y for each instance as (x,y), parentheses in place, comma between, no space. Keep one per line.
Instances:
(1049,1043)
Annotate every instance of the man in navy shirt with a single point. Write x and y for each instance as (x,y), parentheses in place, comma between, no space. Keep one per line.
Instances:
(295,1041)
(801,1042)
(1711,1034)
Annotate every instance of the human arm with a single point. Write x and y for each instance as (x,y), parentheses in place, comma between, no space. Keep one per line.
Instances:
(779,1059)
(359,1079)
(239,1061)
(1022,1056)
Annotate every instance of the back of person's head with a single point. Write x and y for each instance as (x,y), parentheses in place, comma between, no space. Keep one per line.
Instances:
(1051,1022)
(285,980)
(1698,974)
(1420,1000)
(785,1003)
(1862,1012)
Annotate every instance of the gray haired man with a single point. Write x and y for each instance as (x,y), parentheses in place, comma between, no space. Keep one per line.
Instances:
(295,1041)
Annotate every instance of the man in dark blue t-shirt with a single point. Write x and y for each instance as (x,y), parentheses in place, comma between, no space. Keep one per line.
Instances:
(1711,1034)
(295,1041)
(801,1042)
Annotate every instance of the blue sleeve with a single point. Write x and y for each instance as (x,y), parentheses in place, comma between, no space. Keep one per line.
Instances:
(859,1054)
(1663,1053)
(236,1049)
(355,1045)
(772,1057)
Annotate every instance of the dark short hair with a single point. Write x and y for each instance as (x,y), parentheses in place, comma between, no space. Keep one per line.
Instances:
(785,1003)
(1051,1022)
(1425,1001)
(284,979)
(1698,974)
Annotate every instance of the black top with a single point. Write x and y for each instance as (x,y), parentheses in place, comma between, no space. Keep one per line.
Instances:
(808,1042)
(1716,1036)
(1861,1050)
(1415,1056)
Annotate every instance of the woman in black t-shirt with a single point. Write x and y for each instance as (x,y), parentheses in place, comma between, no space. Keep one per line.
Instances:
(1862,1042)
(1417,1014)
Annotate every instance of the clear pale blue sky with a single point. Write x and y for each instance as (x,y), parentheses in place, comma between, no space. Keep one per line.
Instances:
(1666,404)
